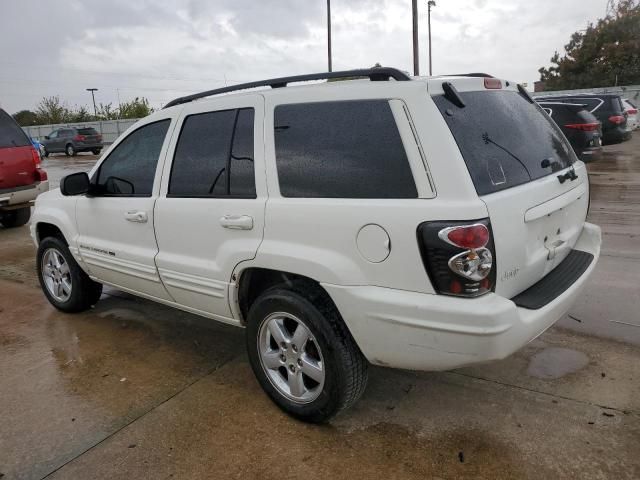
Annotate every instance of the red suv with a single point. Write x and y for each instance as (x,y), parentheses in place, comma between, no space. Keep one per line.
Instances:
(21,177)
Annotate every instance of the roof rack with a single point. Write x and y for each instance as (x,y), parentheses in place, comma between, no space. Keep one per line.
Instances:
(485,75)
(374,74)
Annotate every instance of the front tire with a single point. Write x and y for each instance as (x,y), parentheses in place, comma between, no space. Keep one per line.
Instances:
(70,150)
(303,355)
(64,283)
(15,218)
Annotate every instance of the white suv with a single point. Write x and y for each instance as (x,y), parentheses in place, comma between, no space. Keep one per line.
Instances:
(417,223)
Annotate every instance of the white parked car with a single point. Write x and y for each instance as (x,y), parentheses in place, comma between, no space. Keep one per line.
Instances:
(632,114)
(407,222)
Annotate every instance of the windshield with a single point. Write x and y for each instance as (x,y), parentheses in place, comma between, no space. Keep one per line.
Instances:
(504,139)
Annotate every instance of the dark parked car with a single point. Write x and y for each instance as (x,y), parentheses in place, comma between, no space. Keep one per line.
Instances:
(582,128)
(72,140)
(608,109)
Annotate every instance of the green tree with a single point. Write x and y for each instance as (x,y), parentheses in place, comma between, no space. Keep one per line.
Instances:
(25,118)
(107,112)
(52,110)
(136,108)
(81,114)
(606,53)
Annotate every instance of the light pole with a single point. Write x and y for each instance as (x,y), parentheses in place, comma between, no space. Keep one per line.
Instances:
(95,110)
(430,3)
(416,62)
(329,35)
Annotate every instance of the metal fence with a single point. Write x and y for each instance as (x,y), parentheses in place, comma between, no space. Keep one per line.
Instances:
(109,129)
(632,92)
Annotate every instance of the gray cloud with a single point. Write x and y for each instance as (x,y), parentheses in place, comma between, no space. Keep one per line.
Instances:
(166,48)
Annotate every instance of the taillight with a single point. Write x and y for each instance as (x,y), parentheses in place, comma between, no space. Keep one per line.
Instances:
(79,138)
(632,111)
(99,138)
(585,127)
(40,175)
(459,256)
(492,83)
(35,157)
(617,119)
(467,236)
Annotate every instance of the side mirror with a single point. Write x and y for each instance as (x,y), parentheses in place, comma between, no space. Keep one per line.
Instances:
(75,184)
(46,137)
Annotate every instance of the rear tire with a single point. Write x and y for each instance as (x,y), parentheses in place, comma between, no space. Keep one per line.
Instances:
(70,150)
(340,368)
(64,283)
(96,151)
(15,218)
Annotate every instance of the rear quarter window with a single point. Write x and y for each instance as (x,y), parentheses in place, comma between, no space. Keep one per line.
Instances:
(345,149)
(11,135)
(504,139)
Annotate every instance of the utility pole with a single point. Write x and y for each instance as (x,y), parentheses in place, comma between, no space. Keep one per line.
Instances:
(95,110)
(416,62)
(329,35)
(430,3)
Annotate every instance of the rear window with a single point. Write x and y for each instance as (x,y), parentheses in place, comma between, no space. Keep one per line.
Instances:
(11,135)
(567,113)
(346,149)
(504,139)
(87,131)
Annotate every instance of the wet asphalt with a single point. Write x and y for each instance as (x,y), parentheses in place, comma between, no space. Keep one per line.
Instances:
(132,389)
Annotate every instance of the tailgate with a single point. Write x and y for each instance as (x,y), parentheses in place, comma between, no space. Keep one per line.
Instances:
(17,168)
(525,171)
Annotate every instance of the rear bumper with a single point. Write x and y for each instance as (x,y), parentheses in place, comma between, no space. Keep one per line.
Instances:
(23,196)
(590,154)
(419,331)
(616,135)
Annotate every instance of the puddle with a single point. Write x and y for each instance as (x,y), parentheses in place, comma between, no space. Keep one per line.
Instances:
(552,363)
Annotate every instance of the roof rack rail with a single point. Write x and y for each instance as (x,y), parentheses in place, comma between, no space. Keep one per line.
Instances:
(374,74)
(477,74)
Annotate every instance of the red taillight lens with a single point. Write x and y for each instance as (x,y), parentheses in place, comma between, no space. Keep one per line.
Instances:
(632,111)
(79,138)
(617,119)
(40,175)
(99,138)
(466,236)
(35,156)
(585,127)
(493,83)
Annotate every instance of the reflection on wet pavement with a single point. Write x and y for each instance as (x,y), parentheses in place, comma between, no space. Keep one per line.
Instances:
(59,165)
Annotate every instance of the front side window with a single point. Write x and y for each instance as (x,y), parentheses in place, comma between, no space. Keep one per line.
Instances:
(344,149)
(130,168)
(214,156)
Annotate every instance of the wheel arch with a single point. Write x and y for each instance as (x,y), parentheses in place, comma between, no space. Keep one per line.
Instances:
(251,282)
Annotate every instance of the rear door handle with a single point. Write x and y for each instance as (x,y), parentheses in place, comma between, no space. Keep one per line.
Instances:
(137,216)
(237,222)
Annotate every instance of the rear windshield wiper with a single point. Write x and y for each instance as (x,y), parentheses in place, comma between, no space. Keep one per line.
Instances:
(487,139)
(451,94)
(525,94)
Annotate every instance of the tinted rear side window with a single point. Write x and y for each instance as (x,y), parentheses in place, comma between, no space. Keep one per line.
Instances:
(210,146)
(349,149)
(504,138)
(87,131)
(11,135)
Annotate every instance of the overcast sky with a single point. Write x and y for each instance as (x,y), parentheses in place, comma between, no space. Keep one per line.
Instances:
(161,49)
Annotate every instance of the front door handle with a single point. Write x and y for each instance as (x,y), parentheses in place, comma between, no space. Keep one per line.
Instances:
(137,216)
(237,222)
